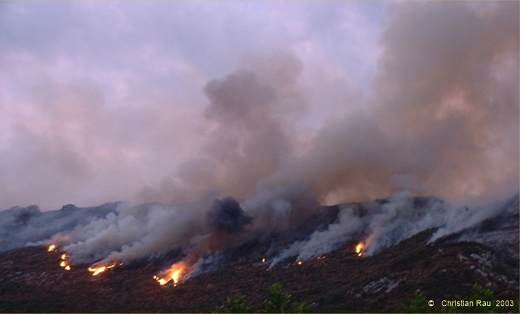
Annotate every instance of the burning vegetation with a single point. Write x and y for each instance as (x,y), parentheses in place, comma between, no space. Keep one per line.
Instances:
(64,262)
(359,249)
(174,274)
(99,269)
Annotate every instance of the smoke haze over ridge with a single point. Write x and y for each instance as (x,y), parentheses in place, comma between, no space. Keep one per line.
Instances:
(442,118)
(437,115)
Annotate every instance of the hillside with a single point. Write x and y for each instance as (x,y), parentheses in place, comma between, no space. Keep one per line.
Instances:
(32,280)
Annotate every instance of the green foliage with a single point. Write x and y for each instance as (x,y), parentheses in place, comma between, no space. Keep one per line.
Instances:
(276,302)
(280,302)
(235,305)
(420,304)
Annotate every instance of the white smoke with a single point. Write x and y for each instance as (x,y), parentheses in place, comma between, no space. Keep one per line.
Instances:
(383,225)
(135,232)
(23,226)
(199,228)
(459,220)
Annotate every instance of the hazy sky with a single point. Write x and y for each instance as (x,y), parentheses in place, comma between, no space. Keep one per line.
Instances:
(156,101)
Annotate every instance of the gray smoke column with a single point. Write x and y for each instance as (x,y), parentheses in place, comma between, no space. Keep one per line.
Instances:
(440,117)
(226,214)
(199,228)
(382,225)
(442,114)
(251,136)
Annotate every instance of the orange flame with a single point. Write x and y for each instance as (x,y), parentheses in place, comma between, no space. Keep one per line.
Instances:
(63,262)
(174,274)
(99,269)
(359,248)
(51,248)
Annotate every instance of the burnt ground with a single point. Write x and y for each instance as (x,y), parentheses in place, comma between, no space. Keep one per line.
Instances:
(32,281)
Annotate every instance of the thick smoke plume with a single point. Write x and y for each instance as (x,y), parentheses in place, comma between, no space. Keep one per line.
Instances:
(440,119)
(226,214)
(199,228)
(381,226)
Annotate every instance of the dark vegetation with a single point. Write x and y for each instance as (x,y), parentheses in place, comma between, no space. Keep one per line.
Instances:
(277,301)
(32,281)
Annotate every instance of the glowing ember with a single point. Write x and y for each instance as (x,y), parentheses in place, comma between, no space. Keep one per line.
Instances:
(63,256)
(299,262)
(51,248)
(359,248)
(99,269)
(67,267)
(173,274)
(263,260)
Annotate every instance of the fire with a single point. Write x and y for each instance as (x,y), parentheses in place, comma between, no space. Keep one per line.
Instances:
(263,260)
(63,262)
(174,274)
(99,269)
(299,262)
(51,248)
(359,248)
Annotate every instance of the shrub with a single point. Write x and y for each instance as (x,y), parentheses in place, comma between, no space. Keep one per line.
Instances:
(276,302)
(418,305)
(235,305)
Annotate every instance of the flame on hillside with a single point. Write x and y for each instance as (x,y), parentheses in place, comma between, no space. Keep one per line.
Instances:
(174,274)
(64,262)
(99,269)
(52,248)
(359,249)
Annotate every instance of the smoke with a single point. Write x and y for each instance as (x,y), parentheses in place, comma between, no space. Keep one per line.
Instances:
(199,229)
(250,135)
(381,225)
(226,214)
(456,221)
(22,226)
(441,117)
(443,111)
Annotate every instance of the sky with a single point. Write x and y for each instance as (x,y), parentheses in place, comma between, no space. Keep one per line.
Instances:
(164,101)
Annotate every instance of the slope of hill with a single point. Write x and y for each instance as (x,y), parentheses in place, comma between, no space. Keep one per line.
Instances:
(32,280)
